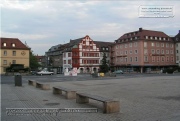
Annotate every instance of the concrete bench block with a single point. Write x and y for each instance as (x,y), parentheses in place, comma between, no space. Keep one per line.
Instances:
(111,107)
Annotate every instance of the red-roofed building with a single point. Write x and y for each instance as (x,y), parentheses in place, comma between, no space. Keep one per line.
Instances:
(143,50)
(13,51)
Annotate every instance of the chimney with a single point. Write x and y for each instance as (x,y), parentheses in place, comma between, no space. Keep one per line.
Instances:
(140,29)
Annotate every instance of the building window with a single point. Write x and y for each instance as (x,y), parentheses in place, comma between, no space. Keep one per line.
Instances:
(136,59)
(164,38)
(69,54)
(153,51)
(130,52)
(126,59)
(145,44)
(136,51)
(126,52)
(64,54)
(125,45)
(157,52)
(14,53)
(146,37)
(158,59)
(116,46)
(167,59)
(162,44)
(176,45)
(162,59)
(117,53)
(5,62)
(4,44)
(153,58)
(121,52)
(171,51)
(69,61)
(162,51)
(5,53)
(159,38)
(130,44)
(135,37)
(155,38)
(167,51)
(172,59)
(13,61)
(151,37)
(157,44)
(131,59)
(167,44)
(177,51)
(107,48)
(145,59)
(152,44)
(13,45)
(135,44)
(64,61)
(177,58)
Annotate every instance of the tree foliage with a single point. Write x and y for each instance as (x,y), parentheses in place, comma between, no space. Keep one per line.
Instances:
(104,68)
(33,62)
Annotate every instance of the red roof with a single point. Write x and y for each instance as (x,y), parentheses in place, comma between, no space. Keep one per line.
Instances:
(12,43)
(142,33)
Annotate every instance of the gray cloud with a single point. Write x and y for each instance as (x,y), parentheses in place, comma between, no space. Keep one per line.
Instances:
(55,22)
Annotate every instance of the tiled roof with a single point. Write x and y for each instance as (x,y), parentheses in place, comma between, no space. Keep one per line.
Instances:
(102,44)
(142,33)
(10,42)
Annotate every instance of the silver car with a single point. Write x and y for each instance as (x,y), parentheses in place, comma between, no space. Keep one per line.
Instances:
(45,73)
(118,72)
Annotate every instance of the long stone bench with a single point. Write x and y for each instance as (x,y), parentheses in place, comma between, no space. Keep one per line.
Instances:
(109,105)
(32,82)
(43,86)
(70,94)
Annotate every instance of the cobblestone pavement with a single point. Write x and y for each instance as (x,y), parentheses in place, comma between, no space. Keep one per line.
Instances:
(141,99)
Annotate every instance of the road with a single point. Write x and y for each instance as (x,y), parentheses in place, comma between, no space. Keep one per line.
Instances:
(80,77)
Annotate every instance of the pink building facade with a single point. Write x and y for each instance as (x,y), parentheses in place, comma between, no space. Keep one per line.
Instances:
(143,50)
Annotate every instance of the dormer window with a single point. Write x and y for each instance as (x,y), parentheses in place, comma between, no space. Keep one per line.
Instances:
(159,38)
(155,38)
(13,45)
(151,37)
(164,38)
(4,44)
(146,37)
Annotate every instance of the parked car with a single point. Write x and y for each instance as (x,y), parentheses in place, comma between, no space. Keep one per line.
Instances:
(118,72)
(45,73)
(33,72)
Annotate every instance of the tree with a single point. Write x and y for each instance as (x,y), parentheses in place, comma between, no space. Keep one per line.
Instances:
(33,62)
(104,66)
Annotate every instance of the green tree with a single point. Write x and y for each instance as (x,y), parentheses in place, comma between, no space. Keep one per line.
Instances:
(104,66)
(33,62)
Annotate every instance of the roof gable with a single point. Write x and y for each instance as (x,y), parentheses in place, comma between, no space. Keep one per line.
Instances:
(12,43)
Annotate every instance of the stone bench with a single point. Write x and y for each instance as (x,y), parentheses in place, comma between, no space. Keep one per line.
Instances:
(70,94)
(43,86)
(109,105)
(32,82)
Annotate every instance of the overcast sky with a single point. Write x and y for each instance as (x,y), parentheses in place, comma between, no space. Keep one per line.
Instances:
(45,23)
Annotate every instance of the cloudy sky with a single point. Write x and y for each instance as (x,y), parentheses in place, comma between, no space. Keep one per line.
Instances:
(45,23)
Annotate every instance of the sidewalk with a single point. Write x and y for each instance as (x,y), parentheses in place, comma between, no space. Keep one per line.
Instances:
(147,98)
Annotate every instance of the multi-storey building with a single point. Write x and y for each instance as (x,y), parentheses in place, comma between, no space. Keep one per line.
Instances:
(54,57)
(143,50)
(177,48)
(84,54)
(41,61)
(13,51)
